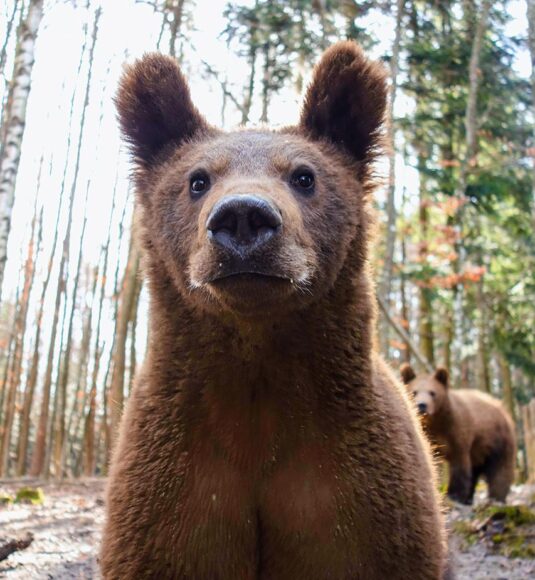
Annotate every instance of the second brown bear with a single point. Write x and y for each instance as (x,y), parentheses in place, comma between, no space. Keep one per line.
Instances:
(468,428)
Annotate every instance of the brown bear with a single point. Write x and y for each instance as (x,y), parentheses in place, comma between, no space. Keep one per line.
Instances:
(264,438)
(469,429)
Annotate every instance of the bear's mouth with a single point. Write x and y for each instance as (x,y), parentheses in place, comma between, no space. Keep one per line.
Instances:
(250,276)
(249,270)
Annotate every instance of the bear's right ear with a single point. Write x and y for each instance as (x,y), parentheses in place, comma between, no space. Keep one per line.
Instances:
(442,376)
(155,108)
(407,373)
(346,100)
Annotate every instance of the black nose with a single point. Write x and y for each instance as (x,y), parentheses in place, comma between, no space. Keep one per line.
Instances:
(241,223)
(422,408)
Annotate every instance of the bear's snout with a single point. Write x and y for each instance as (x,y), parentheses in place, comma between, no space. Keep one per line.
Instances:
(422,408)
(243,224)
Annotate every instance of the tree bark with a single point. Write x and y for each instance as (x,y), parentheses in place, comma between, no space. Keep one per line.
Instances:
(20,335)
(9,27)
(469,159)
(386,281)
(507,386)
(531,45)
(126,299)
(38,460)
(425,319)
(60,435)
(483,378)
(420,356)
(176,9)
(15,122)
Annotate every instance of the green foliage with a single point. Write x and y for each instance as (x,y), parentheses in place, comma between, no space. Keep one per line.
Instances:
(508,530)
(5,498)
(31,495)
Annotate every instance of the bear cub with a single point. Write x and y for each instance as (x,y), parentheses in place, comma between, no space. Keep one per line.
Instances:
(469,429)
(264,437)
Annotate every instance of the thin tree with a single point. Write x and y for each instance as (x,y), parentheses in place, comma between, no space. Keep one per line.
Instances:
(385,288)
(88,443)
(531,45)
(14,121)
(468,160)
(34,247)
(126,301)
(39,456)
(7,37)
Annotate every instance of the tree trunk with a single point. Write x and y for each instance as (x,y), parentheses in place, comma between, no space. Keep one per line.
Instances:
(176,8)
(80,395)
(406,352)
(133,334)
(469,159)
(15,121)
(483,378)
(20,336)
(38,459)
(386,282)
(88,438)
(531,45)
(266,83)
(126,299)
(425,319)
(248,99)
(507,386)
(60,435)
(9,27)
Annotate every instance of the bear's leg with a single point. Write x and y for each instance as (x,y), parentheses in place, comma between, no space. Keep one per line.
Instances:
(477,472)
(460,483)
(500,474)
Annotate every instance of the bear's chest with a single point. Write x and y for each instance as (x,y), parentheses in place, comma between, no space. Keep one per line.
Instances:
(291,509)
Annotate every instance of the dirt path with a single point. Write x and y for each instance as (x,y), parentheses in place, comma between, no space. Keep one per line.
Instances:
(66,530)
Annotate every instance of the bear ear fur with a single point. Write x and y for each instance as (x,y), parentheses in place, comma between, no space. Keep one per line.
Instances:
(155,108)
(407,373)
(346,100)
(442,376)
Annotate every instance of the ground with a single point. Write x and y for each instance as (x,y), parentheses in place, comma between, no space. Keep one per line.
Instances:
(66,530)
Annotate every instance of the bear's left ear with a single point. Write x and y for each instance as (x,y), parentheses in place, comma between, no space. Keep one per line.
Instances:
(442,376)
(346,101)
(155,108)
(407,373)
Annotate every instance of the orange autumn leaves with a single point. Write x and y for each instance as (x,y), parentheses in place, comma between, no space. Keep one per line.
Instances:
(437,253)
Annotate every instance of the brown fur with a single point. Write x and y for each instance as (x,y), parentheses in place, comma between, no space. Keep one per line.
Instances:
(264,437)
(470,429)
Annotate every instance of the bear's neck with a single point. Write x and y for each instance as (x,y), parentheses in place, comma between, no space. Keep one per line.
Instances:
(311,359)
(441,422)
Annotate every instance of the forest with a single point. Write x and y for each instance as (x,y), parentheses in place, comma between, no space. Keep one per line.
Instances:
(454,257)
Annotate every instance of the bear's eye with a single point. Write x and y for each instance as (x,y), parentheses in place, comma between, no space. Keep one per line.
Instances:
(433,394)
(303,180)
(199,183)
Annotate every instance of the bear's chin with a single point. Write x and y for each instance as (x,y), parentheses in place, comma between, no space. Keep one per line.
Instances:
(249,294)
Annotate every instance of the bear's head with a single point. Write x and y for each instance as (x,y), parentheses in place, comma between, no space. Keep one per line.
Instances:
(429,391)
(254,219)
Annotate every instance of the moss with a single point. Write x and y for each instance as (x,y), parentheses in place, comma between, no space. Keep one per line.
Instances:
(5,498)
(466,530)
(511,515)
(31,495)
(507,530)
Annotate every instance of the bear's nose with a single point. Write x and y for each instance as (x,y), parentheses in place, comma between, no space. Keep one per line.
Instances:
(241,223)
(422,408)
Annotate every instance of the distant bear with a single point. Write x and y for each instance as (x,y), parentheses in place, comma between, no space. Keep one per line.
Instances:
(468,428)
(264,438)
